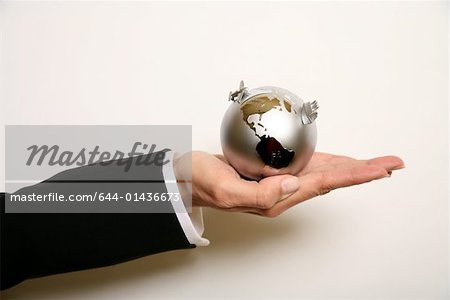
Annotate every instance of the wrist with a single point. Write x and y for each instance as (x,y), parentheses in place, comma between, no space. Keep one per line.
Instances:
(182,167)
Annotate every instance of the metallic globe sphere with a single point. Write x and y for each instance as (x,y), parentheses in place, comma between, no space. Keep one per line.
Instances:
(267,131)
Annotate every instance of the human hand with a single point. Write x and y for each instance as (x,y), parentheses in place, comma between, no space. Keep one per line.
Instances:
(216,184)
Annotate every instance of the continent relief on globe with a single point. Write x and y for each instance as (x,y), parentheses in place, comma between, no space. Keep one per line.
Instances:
(269,148)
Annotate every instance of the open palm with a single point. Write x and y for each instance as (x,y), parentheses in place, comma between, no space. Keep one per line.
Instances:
(217,184)
(326,172)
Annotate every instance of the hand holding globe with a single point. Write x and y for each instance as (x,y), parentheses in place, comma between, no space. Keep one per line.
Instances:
(269,134)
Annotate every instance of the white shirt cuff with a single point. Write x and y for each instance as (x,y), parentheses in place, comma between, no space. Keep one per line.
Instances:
(191,223)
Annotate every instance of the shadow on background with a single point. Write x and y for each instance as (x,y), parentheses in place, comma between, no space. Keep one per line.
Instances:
(229,233)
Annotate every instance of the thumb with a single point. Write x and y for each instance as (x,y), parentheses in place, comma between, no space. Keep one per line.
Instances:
(265,193)
(289,185)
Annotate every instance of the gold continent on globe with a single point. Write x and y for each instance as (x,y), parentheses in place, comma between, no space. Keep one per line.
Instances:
(268,128)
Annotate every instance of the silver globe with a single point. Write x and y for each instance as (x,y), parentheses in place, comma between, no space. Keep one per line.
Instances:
(268,130)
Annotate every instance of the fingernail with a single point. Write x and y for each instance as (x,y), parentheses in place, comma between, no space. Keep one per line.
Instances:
(289,185)
(399,167)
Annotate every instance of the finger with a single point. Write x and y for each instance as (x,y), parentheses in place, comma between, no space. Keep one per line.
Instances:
(353,174)
(388,162)
(320,183)
(263,194)
(324,160)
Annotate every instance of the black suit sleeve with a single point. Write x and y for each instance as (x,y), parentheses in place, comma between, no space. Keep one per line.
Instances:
(40,244)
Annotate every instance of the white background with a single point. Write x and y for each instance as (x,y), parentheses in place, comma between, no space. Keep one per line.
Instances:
(379,72)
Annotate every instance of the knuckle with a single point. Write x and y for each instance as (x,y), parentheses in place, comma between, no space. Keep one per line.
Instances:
(263,200)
